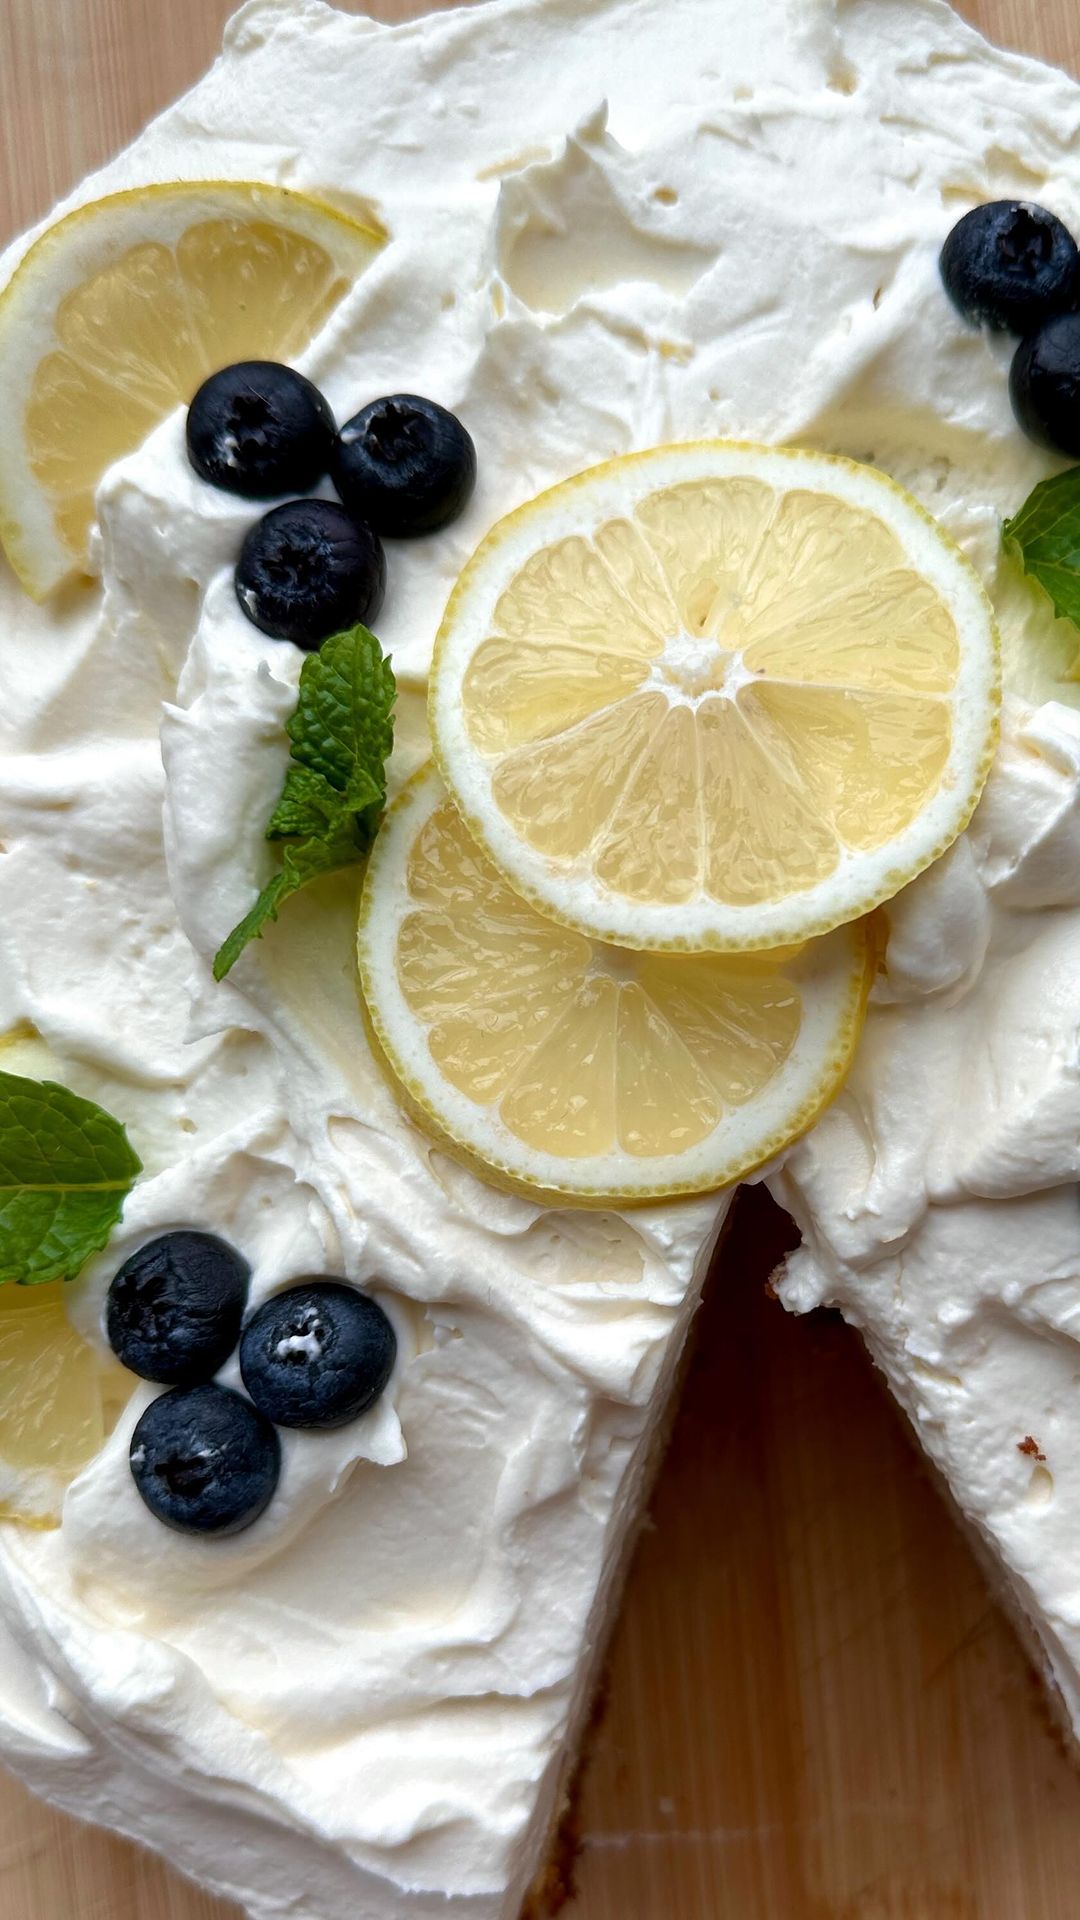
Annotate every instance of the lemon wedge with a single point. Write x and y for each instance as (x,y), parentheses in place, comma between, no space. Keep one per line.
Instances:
(716,696)
(59,1399)
(117,314)
(576,1069)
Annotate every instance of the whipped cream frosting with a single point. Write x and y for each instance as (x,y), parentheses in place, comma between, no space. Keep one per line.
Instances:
(938,1197)
(612,223)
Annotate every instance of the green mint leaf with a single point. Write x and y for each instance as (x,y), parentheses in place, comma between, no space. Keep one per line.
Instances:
(310,805)
(342,733)
(343,722)
(307,859)
(1045,536)
(66,1168)
(336,845)
(252,924)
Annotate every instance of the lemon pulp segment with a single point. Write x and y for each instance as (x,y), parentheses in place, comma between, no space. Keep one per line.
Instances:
(59,1399)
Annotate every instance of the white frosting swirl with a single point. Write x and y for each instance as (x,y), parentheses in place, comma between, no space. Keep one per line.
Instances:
(611,223)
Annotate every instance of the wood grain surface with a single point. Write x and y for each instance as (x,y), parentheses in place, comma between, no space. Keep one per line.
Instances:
(814,1710)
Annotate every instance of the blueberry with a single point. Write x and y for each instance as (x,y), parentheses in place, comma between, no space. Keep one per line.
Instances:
(307,570)
(317,1355)
(260,429)
(1044,384)
(404,465)
(205,1460)
(174,1308)
(1010,264)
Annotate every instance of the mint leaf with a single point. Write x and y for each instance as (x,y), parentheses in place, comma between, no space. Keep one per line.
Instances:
(344,714)
(342,734)
(1045,536)
(310,805)
(252,924)
(303,862)
(66,1168)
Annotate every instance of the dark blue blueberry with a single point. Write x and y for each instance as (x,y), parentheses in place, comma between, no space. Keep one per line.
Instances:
(404,465)
(205,1460)
(317,1355)
(1011,265)
(175,1308)
(260,429)
(1044,384)
(307,570)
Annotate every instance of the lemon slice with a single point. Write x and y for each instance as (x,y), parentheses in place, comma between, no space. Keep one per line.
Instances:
(582,1069)
(716,696)
(117,314)
(58,1401)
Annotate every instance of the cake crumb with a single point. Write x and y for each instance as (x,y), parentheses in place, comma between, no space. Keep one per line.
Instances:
(1030,1447)
(556,1885)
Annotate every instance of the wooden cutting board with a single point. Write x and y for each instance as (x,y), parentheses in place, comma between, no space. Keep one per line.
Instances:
(814,1710)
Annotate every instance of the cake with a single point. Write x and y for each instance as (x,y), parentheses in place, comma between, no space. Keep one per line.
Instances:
(600,227)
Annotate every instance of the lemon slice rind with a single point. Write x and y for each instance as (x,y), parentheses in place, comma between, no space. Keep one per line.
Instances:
(568,890)
(60,263)
(833,978)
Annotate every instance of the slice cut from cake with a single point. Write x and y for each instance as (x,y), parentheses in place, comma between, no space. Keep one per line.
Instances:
(938,1197)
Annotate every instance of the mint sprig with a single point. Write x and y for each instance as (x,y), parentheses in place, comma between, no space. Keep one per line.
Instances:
(342,734)
(66,1168)
(1045,536)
